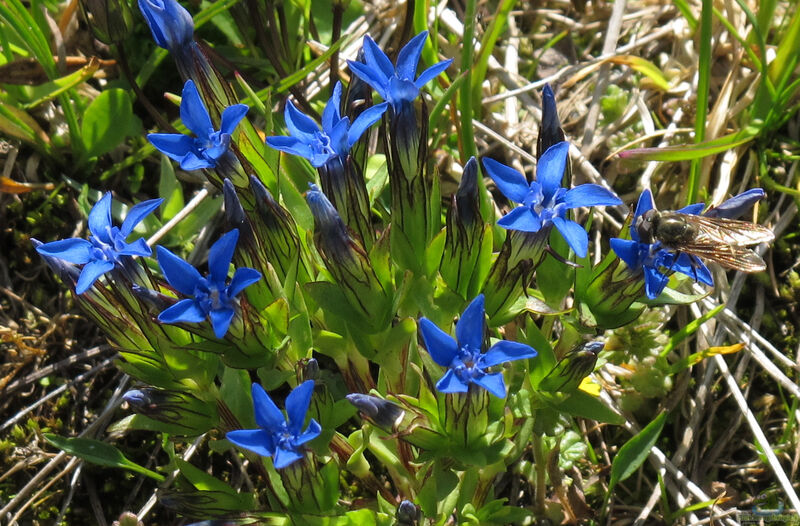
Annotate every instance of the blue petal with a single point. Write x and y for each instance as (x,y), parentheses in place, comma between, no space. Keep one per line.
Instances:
(493,383)
(367,118)
(512,183)
(408,58)
(441,346)
(242,278)
(377,59)
(297,405)
(450,383)
(469,329)
(692,209)
(231,117)
(173,145)
(219,148)
(299,124)
(627,251)
(136,215)
(74,250)
(654,282)
(220,255)
(521,218)
(338,138)
(574,234)
(179,274)
(291,145)
(137,248)
(644,204)
(401,91)
(192,162)
(100,219)
(256,440)
(550,170)
(91,271)
(312,431)
(187,311)
(193,112)
(220,320)
(734,207)
(590,195)
(506,351)
(268,416)
(330,115)
(432,72)
(285,457)
(371,76)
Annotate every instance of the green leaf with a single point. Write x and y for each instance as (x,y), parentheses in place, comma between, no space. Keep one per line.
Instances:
(50,90)
(587,406)
(635,451)
(106,122)
(99,453)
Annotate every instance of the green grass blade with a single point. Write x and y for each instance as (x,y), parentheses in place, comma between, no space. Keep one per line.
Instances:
(704,74)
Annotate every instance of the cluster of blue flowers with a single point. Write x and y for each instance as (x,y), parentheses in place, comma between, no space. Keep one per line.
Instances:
(544,203)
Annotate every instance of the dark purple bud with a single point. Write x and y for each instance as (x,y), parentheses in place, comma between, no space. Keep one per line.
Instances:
(382,413)
(550,132)
(408,514)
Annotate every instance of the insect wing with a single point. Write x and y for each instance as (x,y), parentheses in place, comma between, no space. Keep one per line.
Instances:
(730,256)
(713,231)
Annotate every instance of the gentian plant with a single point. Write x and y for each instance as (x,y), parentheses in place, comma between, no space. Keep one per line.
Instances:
(106,247)
(209,145)
(278,436)
(466,362)
(213,297)
(544,201)
(341,303)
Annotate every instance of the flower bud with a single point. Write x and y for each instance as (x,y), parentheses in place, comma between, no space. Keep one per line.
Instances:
(408,514)
(347,262)
(171,25)
(465,230)
(408,423)
(276,233)
(343,183)
(187,414)
(550,131)
(570,371)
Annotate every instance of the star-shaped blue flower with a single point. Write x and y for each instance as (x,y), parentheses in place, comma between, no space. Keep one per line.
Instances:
(544,201)
(170,23)
(651,258)
(279,437)
(106,244)
(396,84)
(209,145)
(464,358)
(335,138)
(212,297)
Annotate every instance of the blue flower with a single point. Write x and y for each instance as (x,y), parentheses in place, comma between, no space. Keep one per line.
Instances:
(170,23)
(212,296)
(204,150)
(652,257)
(544,201)
(396,85)
(464,358)
(106,245)
(277,436)
(336,137)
